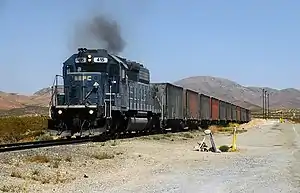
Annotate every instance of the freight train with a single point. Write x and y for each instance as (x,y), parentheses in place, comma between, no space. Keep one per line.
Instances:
(105,93)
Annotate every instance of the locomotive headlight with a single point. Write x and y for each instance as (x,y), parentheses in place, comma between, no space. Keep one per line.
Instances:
(59,112)
(89,58)
(91,112)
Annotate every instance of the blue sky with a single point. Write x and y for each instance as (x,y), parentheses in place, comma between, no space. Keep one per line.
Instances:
(254,43)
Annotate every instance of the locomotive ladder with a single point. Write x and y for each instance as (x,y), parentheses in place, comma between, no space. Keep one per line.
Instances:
(108,99)
(108,104)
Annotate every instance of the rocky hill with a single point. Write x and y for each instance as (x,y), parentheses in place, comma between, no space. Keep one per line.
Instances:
(248,97)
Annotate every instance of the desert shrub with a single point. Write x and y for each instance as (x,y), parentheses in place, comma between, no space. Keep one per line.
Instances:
(13,129)
(224,148)
(295,120)
(225,128)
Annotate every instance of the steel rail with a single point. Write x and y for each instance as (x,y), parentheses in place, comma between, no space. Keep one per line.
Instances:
(37,144)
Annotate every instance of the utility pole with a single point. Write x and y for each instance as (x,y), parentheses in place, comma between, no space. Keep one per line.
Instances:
(263,105)
(268,98)
(266,104)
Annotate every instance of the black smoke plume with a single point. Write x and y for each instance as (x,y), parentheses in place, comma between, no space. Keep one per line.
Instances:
(109,32)
(100,32)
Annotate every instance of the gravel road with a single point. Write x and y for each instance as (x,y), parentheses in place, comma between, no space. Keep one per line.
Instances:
(268,161)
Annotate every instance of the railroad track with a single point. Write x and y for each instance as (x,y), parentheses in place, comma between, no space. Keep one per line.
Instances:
(48,143)
(37,144)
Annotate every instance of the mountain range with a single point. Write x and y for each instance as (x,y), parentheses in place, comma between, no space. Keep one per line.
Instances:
(227,90)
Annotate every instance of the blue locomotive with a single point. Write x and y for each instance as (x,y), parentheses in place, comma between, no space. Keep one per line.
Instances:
(102,92)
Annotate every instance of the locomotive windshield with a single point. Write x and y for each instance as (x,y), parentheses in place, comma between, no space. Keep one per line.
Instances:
(91,67)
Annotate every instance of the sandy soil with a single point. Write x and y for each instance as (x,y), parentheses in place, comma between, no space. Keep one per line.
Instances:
(267,161)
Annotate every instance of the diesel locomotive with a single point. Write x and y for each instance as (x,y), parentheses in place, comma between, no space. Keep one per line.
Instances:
(102,92)
(105,93)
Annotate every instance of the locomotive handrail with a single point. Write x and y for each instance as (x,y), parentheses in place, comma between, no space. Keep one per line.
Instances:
(161,106)
(53,93)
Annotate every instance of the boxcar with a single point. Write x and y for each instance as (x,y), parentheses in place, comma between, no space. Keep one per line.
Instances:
(171,97)
(205,108)
(222,110)
(192,104)
(228,112)
(214,109)
(243,115)
(248,115)
(233,110)
(238,114)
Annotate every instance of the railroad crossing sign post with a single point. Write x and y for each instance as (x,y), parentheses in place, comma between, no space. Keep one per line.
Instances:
(213,145)
(234,140)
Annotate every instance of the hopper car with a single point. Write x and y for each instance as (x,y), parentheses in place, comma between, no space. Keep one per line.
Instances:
(105,93)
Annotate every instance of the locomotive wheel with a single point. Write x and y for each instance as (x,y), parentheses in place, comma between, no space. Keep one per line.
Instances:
(111,129)
(76,125)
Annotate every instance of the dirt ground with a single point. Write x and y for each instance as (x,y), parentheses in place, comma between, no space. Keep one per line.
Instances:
(267,161)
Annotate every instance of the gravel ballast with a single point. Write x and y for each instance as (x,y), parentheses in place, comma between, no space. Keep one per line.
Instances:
(267,161)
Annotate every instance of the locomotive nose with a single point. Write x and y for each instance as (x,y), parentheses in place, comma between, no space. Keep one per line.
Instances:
(84,87)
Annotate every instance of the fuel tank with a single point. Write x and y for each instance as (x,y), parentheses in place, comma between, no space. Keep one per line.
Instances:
(136,124)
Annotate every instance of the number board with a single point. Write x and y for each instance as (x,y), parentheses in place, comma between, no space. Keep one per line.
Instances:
(100,60)
(80,60)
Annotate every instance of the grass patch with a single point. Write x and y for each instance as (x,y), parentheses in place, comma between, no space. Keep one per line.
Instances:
(43,137)
(172,136)
(167,135)
(60,178)
(103,155)
(15,129)
(13,188)
(158,136)
(114,143)
(226,128)
(39,159)
(187,135)
(241,131)
(55,178)
(295,120)
(55,164)
(16,174)
(68,159)
(42,176)
(42,159)
(28,110)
